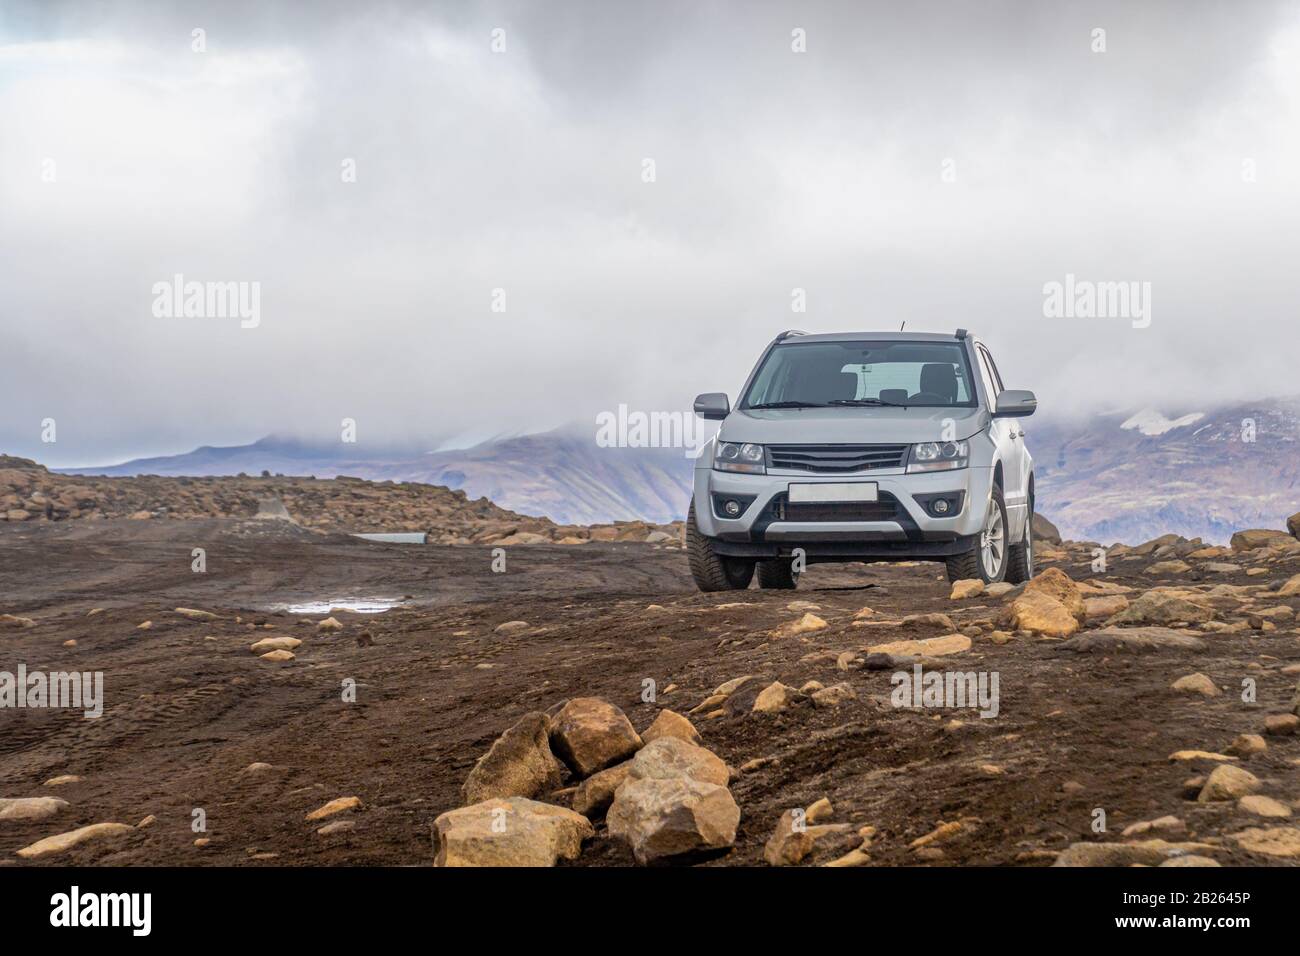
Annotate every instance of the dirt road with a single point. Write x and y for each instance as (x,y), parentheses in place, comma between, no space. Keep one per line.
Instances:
(188,707)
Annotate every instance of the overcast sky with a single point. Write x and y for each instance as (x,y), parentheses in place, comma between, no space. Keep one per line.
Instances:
(930,163)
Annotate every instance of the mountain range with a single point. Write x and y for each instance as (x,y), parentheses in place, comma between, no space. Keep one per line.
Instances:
(1119,476)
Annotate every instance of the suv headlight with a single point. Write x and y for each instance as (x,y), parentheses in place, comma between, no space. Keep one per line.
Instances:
(731,456)
(939,456)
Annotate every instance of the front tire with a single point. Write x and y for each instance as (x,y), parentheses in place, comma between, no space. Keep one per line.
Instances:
(988,560)
(1020,560)
(778,574)
(713,571)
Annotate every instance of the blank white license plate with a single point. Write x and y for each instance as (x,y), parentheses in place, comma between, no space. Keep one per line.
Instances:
(834,491)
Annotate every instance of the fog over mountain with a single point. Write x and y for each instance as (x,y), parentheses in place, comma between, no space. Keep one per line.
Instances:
(934,164)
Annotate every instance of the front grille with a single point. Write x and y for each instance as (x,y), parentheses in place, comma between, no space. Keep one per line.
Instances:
(835,459)
(885,509)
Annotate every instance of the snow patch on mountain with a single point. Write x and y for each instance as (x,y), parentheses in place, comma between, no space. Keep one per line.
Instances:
(1151,422)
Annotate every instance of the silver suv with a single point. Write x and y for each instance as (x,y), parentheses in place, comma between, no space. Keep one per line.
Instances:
(866,446)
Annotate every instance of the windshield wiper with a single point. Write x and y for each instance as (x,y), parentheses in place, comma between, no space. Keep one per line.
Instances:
(865,401)
(788,405)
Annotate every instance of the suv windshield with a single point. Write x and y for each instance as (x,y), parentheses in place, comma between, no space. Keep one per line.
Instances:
(818,374)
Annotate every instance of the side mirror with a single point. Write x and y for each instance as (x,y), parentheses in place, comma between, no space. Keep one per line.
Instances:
(712,406)
(1015,403)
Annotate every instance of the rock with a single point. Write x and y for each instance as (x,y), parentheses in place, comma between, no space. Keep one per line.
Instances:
(511,627)
(335,806)
(793,839)
(819,810)
(1143,853)
(674,801)
(1058,585)
(195,615)
(512,832)
(1281,725)
(66,841)
(1040,613)
(1291,587)
(144,625)
(834,695)
(1270,841)
(1227,782)
(858,857)
(338,826)
(147,822)
(518,764)
(925,647)
(1167,824)
(329,624)
(966,588)
(1103,607)
(1293,525)
(1189,755)
(1197,684)
(1247,744)
(1168,567)
(589,734)
(1044,530)
(803,606)
(1163,607)
(594,795)
(30,808)
(807,624)
(63,780)
(1135,639)
(941,622)
(775,697)
(1190,859)
(730,687)
(257,768)
(278,657)
(275,644)
(1263,806)
(13,620)
(1258,538)
(671,724)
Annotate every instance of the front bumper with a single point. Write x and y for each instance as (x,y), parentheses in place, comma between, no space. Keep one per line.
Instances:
(764,529)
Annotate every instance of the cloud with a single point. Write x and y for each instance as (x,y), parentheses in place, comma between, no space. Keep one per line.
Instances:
(522,171)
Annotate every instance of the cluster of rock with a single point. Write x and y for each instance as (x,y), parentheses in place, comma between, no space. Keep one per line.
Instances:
(31,493)
(660,791)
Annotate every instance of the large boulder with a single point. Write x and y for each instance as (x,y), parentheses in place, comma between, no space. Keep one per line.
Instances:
(674,801)
(1227,782)
(511,832)
(1136,639)
(1259,538)
(590,734)
(669,723)
(594,795)
(519,763)
(1044,530)
(30,808)
(1055,583)
(1293,525)
(1040,613)
(1139,853)
(1162,606)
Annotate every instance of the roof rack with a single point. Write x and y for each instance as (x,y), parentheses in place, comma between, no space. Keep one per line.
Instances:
(789,332)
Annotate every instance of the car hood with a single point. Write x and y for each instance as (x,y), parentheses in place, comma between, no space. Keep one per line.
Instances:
(851,425)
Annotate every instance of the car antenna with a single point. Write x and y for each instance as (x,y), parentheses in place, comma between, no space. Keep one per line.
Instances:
(900,328)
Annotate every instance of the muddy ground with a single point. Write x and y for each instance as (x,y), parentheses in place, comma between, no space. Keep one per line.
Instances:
(189,707)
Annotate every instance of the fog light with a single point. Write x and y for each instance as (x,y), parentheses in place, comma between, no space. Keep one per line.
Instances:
(732,508)
(940,506)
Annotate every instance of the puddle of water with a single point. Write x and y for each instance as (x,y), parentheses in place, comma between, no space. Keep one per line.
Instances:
(394,537)
(357,605)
